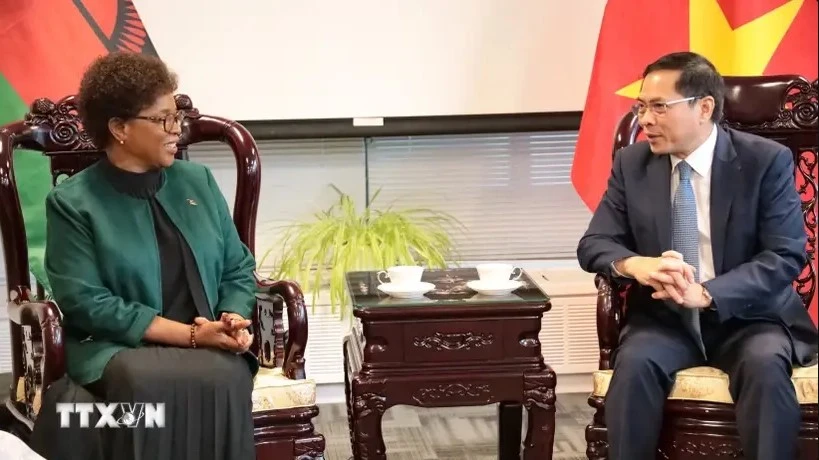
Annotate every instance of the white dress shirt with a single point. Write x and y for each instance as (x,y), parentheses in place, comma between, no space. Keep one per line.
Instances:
(700,161)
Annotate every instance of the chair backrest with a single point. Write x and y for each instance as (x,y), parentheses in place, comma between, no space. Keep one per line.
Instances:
(55,129)
(779,107)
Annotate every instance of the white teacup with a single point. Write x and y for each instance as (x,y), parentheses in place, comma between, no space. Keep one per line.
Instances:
(498,273)
(402,274)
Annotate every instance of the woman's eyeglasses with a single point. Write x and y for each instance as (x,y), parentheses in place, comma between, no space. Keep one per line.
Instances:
(168,121)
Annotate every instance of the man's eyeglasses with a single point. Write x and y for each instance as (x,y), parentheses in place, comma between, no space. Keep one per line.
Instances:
(658,108)
(168,121)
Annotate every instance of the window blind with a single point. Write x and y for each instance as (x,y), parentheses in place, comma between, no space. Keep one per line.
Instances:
(512,192)
(296,179)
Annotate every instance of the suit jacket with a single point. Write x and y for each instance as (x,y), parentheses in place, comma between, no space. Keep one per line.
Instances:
(102,259)
(757,231)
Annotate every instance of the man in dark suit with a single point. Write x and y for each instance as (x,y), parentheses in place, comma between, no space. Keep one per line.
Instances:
(707,221)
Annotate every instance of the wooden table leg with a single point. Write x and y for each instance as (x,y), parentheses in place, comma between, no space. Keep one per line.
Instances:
(510,415)
(348,397)
(539,400)
(368,408)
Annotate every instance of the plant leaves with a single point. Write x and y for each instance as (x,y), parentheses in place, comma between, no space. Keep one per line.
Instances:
(318,253)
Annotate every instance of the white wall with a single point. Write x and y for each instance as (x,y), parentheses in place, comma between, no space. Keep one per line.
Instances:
(284,59)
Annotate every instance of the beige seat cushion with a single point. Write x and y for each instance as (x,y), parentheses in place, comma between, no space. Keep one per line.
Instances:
(711,384)
(272,390)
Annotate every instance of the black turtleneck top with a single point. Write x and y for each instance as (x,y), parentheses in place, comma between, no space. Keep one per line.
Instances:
(183,295)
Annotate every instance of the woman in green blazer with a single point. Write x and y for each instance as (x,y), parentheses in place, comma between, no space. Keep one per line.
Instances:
(153,282)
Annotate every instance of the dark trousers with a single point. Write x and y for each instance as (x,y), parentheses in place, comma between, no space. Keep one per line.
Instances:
(757,358)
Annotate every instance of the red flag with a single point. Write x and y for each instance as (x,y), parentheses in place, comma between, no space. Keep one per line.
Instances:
(48,44)
(633,33)
(741,37)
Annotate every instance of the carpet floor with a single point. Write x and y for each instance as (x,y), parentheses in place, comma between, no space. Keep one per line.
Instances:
(466,433)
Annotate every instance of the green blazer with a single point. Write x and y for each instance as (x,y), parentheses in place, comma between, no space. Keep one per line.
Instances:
(102,259)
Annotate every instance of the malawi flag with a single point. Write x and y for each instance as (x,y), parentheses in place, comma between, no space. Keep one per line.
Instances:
(741,37)
(47,44)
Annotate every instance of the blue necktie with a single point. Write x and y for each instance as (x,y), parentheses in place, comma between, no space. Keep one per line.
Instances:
(686,240)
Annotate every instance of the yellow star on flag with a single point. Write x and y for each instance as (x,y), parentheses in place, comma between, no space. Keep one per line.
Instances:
(745,50)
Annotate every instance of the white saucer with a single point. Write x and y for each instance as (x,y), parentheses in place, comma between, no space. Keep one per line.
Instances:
(495,288)
(406,291)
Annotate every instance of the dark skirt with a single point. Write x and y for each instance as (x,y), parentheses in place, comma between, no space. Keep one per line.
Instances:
(207,409)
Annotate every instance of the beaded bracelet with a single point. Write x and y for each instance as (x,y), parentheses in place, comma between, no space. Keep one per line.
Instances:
(193,336)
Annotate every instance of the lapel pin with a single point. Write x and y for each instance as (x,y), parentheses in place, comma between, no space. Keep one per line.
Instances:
(191,202)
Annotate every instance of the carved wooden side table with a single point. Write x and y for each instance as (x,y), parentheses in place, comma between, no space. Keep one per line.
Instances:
(453,347)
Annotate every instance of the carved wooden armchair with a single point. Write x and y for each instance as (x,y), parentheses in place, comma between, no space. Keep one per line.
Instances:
(283,399)
(699,420)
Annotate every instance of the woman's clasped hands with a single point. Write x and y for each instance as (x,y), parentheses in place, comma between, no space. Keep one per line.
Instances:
(228,333)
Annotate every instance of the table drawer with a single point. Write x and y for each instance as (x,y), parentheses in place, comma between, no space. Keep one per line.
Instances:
(442,341)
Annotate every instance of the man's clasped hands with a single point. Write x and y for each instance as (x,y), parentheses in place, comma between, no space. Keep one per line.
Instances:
(670,277)
(228,333)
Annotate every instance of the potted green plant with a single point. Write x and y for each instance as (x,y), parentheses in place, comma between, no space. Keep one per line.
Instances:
(319,252)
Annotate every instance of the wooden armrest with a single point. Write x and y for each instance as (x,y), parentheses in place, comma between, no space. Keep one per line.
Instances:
(269,335)
(295,340)
(42,329)
(610,308)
